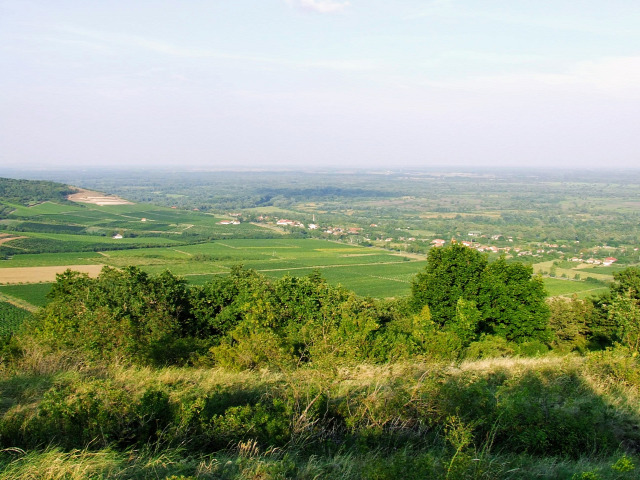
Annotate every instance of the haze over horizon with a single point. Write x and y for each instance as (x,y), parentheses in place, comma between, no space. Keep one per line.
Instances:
(319,83)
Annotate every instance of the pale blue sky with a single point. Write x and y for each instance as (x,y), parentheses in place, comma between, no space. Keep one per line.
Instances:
(383,84)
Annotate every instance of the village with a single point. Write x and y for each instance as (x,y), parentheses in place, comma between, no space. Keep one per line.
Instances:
(498,244)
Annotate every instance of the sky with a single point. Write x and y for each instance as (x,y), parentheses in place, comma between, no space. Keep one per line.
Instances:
(320,83)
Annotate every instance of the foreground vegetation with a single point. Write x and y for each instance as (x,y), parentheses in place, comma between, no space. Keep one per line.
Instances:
(549,417)
(136,376)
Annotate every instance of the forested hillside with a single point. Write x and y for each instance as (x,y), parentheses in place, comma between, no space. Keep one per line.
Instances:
(31,192)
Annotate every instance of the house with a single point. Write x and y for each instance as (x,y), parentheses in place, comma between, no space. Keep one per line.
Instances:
(438,242)
(117,236)
(285,222)
(609,261)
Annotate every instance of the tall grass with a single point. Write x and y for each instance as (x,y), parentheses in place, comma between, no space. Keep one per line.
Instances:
(550,417)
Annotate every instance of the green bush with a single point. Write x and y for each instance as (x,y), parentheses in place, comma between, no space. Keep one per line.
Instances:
(490,346)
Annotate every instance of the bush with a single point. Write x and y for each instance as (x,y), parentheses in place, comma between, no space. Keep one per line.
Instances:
(490,346)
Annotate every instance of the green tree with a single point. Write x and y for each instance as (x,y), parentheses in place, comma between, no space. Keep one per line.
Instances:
(604,325)
(451,273)
(121,313)
(458,280)
(513,302)
(624,310)
(568,321)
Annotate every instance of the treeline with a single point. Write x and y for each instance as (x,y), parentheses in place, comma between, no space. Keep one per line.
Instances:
(30,192)
(461,305)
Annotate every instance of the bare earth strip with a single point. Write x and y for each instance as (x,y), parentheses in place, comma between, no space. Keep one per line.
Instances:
(43,274)
(5,239)
(96,198)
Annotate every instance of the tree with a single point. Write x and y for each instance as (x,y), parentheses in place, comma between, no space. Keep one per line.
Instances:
(463,289)
(625,312)
(121,313)
(615,311)
(451,273)
(513,302)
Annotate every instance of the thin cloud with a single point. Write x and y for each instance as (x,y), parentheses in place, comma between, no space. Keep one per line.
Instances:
(447,9)
(320,6)
(617,77)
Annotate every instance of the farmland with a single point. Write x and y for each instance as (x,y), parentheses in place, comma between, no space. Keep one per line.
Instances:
(11,317)
(375,231)
(55,236)
(366,270)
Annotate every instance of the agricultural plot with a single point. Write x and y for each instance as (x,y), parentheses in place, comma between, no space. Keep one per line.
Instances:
(365,270)
(33,293)
(11,317)
(53,259)
(557,287)
(582,279)
(43,274)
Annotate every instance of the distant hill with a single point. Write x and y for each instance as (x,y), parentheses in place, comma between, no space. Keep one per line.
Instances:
(31,192)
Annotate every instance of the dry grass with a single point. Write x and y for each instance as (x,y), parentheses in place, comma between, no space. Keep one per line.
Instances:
(15,275)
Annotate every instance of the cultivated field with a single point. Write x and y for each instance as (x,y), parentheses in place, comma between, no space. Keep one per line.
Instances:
(188,243)
(43,274)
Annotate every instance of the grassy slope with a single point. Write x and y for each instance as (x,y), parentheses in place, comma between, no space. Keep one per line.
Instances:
(447,400)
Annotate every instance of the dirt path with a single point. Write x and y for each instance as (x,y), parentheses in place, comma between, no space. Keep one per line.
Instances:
(328,266)
(5,239)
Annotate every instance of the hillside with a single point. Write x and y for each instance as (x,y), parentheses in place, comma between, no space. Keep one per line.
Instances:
(213,370)
(30,192)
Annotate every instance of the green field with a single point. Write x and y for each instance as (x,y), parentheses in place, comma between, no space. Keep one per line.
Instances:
(160,238)
(559,287)
(70,235)
(11,317)
(367,271)
(33,293)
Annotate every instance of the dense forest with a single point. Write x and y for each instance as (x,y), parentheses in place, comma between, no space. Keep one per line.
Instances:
(30,192)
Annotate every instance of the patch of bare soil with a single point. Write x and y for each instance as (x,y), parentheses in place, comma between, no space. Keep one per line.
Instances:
(43,274)
(97,198)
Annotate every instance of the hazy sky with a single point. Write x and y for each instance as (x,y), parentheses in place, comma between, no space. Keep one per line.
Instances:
(361,83)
